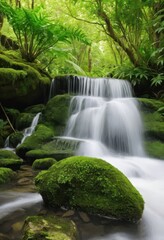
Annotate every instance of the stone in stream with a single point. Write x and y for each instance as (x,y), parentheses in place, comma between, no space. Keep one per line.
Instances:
(92,185)
(51,227)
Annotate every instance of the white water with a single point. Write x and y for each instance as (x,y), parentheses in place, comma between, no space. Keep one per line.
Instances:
(52,89)
(18,201)
(105,118)
(28,131)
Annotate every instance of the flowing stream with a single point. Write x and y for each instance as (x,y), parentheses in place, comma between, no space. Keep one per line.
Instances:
(105,118)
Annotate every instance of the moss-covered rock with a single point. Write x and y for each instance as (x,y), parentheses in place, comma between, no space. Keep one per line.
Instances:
(15,139)
(12,114)
(7,154)
(24,120)
(51,227)
(14,164)
(42,135)
(21,83)
(43,163)
(59,148)
(153,118)
(6,175)
(91,185)
(154,125)
(56,111)
(35,108)
(155,149)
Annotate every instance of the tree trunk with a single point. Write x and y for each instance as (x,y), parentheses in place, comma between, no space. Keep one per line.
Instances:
(32,4)
(110,31)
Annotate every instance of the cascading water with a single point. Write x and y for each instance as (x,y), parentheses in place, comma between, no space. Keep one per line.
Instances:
(105,119)
(52,89)
(28,131)
(105,112)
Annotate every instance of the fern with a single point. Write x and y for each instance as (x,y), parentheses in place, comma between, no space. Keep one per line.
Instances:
(35,33)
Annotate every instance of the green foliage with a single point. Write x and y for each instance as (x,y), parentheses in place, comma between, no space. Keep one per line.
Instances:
(155,149)
(35,33)
(71,183)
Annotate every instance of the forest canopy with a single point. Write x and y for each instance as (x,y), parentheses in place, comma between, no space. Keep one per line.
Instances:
(118,38)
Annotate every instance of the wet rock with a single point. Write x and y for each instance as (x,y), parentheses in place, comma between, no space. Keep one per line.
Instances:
(85,218)
(93,185)
(51,227)
(25,181)
(69,213)
(17,226)
(4,237)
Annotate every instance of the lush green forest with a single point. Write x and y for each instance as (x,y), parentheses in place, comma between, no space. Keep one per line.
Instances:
(120,38)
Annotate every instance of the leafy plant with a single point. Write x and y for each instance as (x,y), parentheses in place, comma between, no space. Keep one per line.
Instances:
(35,33)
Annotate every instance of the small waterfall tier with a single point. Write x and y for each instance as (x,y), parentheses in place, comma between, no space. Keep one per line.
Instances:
(28,131)
(104,113)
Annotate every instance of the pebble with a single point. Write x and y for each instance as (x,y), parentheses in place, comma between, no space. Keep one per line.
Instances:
(85,218)
(69,213)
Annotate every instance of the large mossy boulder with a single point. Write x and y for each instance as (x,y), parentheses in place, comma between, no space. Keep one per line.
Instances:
(22,84)
(91,185)
(42,135)
(56,111)
(6,175)
(51,227)
(153,117)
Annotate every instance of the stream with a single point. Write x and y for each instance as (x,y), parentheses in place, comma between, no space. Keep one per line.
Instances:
(105,118)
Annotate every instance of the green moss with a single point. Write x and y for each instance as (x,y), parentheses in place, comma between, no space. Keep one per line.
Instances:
(12,114)
(51,227)
(19,79)
(35,108)
(24,120)
(41,135)
(58,149)
(155,149)
(15,139)
(10,75)
(7,154)
(154,125)
(56,111)
(14,164)
(6,175)
(43,163)
(153,118)
(41,153)
(71,183)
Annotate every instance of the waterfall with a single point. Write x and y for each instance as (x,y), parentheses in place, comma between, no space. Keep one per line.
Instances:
(7,142)
(104,118)
(104,112)
(52,89)
(28,131)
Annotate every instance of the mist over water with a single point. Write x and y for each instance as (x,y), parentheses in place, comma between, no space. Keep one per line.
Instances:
(105,118)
